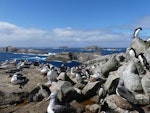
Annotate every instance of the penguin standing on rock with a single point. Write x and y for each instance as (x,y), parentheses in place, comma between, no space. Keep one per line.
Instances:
(143,60)
(136,32)
(132,52)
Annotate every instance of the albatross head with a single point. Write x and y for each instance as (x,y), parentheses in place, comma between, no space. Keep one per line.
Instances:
(52,96)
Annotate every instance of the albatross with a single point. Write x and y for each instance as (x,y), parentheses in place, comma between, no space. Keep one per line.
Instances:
(55,107)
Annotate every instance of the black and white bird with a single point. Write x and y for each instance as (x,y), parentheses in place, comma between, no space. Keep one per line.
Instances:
(132,52)
(136,32)
(143,60)
(44,91)
(55,107)
(123,92)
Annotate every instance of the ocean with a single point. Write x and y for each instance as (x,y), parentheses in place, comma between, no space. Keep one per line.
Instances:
(42,58)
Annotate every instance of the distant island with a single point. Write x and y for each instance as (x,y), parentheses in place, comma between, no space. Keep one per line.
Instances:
(63,47)
(17,50)
(92,48)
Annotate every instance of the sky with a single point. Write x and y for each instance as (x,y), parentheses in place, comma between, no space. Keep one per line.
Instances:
(72,23)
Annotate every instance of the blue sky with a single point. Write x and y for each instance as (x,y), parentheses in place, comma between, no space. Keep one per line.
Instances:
(75,23)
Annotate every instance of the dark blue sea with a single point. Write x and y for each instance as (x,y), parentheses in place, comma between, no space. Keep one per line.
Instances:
(42,58)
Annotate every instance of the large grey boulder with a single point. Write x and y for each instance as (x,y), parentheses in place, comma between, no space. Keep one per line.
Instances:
(146,83)
(131,80)
(90,89)
(111,65)
(142,99)
(139,45)
(147,55)
(111,83)
(114,102)
(65,91)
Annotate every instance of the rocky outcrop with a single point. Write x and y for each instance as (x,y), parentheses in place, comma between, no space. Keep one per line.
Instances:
(92,48)
(9,49)
(63,56)
(31,51)
(17,50)
(67,56)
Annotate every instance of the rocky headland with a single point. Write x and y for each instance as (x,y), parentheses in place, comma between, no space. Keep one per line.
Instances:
(17,50)
(93,87)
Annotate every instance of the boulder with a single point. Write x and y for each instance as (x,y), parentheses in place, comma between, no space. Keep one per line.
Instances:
(92,108)
(64,77)
(65,90)
(90,89)
(111,83)
(146,84)
(139,45)
(111,65)
(147,55)
(142,99)
(115,101)
(128,76)
(79,107)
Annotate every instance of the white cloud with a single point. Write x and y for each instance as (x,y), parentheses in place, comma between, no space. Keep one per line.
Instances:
(11,34)
(143,22)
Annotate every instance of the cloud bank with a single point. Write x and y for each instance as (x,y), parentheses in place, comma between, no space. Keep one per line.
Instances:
(14,35)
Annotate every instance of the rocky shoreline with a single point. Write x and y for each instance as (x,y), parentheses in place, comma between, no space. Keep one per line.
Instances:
(92,92)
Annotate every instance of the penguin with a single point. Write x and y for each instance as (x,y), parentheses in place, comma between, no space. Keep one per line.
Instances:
(132,52)
(143,60)
(136,32)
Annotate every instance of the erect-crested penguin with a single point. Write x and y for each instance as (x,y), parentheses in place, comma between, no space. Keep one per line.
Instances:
(143,60)
(132,52)
(136,32)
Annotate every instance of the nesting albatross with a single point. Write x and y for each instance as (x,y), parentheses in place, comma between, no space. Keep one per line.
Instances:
(54,107)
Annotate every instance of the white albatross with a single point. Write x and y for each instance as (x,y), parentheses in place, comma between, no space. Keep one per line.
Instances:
(54,107)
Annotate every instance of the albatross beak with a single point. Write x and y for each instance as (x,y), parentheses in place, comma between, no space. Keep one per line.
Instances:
(48,98)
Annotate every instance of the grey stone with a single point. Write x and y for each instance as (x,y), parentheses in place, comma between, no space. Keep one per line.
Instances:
(142,99)
(65,90)
(111,65)
(111,83)
(146,84)
(131,80)
(115,101)
(90,89)
(139,45)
